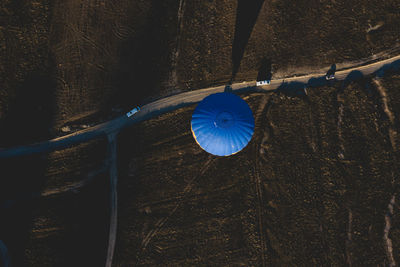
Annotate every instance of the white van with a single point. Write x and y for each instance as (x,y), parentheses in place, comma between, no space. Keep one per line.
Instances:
(265,82)
(133,111)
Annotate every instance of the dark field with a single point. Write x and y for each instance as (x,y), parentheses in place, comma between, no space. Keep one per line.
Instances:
(100,55)
(313,187)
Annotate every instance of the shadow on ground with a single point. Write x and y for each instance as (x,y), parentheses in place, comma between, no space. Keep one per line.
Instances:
(246,17)
(28,120)
(264,72)
(30,116)
(19,190)
(144,59)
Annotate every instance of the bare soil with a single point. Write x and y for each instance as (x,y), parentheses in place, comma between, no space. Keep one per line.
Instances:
(288,198)
(89,57)
(311,188)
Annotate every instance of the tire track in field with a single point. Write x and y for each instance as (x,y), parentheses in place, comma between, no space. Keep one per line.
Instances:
(75,187)
(393,140)
(349,237)
(263,109)
(339,125)
(173,76)
(386,231)
(319,117)
(269,133)
(385,102)
(161,222)
(112,154)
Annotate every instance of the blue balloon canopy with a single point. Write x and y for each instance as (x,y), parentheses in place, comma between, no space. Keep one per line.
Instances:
(222,124)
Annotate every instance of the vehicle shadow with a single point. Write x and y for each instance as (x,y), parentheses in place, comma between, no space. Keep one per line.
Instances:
(332,70)
(246,17)
(264,72)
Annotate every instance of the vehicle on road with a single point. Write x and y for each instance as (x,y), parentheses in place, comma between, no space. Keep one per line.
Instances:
(330,77)
(265,82)
(133,111)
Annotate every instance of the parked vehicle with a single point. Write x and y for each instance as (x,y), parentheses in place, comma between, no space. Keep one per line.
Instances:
(330,77)
(265,82)
(133,111)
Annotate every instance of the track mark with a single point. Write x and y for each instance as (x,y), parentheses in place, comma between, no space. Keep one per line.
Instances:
(340,101)
(160,223)
(388,112)
(349,237)
(181,198)
(173,77)
(80,35)
(386,239)
(314,145)
(74,187)
(263,109)
(393,140)
(260,211)
(121,31)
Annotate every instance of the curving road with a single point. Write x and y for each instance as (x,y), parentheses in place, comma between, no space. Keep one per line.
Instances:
(184,99)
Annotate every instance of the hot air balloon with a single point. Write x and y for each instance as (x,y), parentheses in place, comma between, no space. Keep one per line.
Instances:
(222,124)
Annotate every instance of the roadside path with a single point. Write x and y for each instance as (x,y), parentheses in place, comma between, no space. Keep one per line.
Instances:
(4,258)
(112,236)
